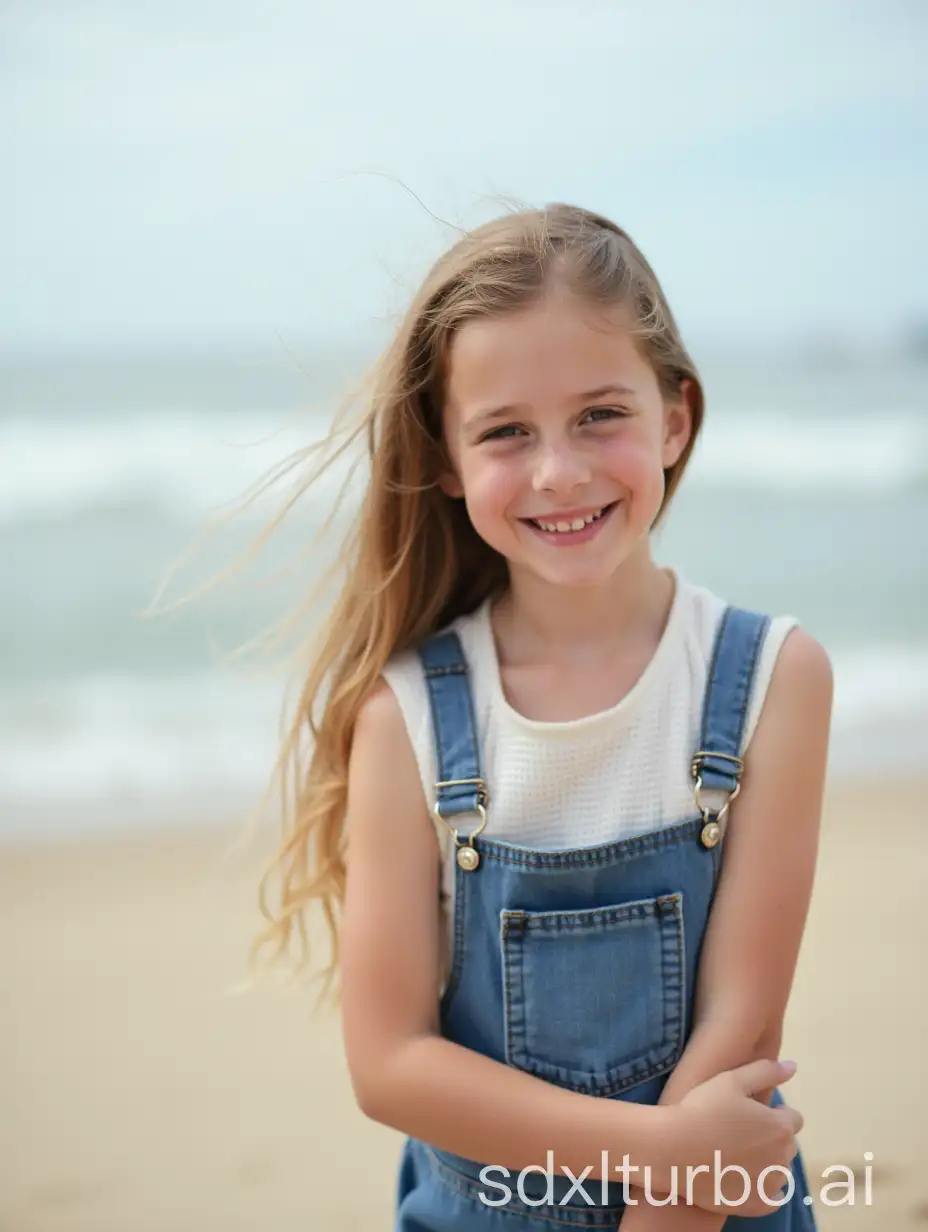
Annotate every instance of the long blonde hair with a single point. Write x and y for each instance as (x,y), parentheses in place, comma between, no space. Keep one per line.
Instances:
(412,561)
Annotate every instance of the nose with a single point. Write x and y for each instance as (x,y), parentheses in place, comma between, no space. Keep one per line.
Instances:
(560,467)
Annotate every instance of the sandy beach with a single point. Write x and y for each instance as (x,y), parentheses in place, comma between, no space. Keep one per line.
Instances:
(141,1092)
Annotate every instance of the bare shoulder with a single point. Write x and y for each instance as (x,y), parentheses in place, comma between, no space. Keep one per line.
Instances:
(382,770)
(803,679)
(380,717)
(793,730)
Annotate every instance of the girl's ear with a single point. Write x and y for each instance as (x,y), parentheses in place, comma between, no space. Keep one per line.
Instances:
(678,423)
(450,484)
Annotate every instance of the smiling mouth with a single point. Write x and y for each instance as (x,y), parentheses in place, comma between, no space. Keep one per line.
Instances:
(574,525)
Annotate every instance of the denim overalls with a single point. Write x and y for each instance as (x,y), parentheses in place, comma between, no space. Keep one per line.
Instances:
(577,966)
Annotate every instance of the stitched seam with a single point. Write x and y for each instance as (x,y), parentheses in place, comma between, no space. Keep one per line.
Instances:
(452,670)
(684,999)
(740,695)
(437,729)
(583,919)
(475,739)
(750,675)
(713,667)
(608,1082)
(677,1011)
(513,974)
(579,857)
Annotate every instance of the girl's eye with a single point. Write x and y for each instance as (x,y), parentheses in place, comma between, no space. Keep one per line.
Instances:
(499,434)
(605,413)
(596,414)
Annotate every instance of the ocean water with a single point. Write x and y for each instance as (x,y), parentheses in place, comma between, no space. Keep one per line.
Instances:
(808,494)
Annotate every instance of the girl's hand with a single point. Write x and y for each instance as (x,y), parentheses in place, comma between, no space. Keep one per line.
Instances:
(725,1115)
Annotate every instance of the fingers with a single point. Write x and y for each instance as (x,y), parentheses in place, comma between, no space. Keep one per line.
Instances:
(791,1117)
(758,1075)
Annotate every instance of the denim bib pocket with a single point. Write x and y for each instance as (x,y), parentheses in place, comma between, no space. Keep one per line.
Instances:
(595,1000)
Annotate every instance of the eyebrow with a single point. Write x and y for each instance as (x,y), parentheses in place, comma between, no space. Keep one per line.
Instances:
(501,412)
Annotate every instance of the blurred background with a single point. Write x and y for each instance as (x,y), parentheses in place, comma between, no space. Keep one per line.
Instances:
(212,215)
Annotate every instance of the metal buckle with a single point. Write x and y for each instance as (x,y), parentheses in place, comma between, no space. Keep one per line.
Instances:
(706,812)
(711,831)
(702,754)
(483,791)
(467,855)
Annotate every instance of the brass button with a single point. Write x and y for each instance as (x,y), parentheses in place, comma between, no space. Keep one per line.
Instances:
(468,858)
(711,833)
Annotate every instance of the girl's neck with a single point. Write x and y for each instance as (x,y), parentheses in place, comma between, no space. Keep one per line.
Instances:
(536,620)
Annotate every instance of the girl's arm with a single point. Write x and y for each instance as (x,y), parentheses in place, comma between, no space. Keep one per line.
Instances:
(403,1073)
(406,1076)
(758,916)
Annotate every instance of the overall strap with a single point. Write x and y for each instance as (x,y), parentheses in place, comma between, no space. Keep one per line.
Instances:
(717,764)
(461,788)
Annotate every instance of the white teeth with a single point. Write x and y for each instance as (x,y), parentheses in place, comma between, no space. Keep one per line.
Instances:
(564,527)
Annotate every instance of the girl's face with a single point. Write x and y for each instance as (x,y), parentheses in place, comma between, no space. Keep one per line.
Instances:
(558,438)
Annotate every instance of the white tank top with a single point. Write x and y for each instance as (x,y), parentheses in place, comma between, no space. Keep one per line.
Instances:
(595,779)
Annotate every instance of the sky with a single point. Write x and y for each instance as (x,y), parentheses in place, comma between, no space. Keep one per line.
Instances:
(191,171)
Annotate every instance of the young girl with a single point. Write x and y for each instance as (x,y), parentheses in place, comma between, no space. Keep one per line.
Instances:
(564,946)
